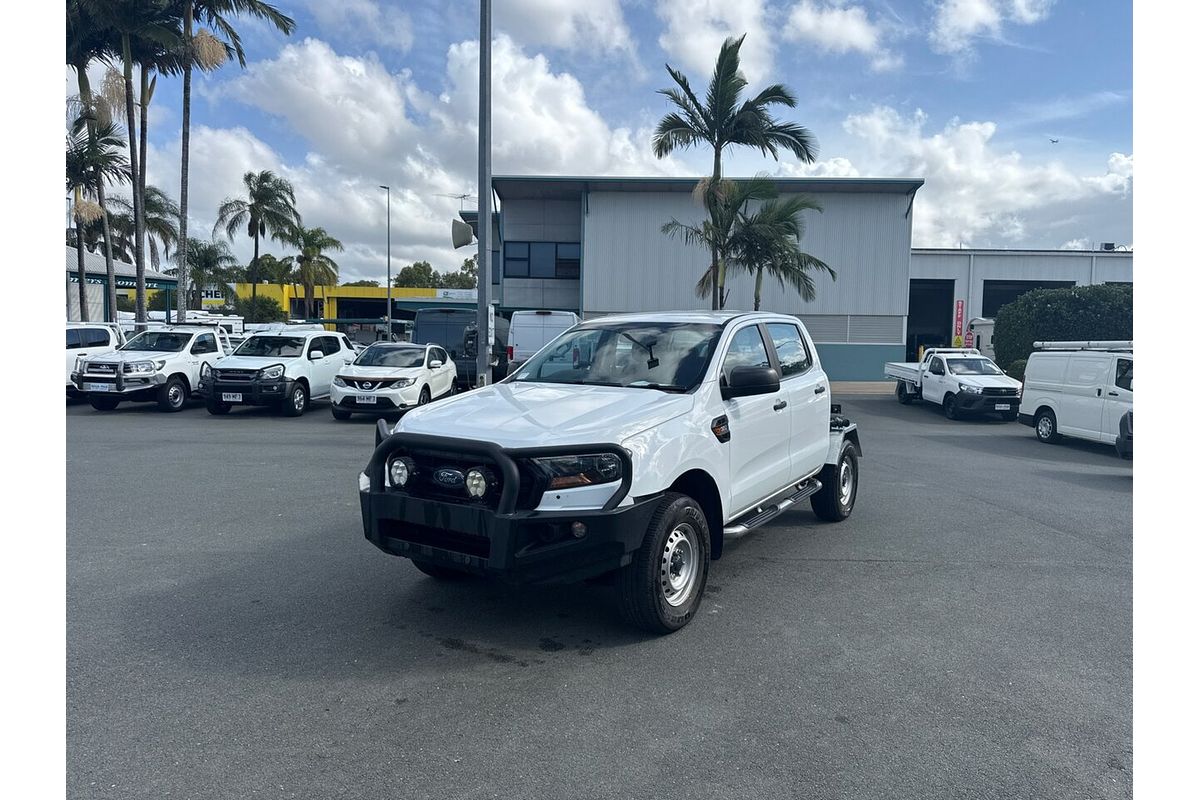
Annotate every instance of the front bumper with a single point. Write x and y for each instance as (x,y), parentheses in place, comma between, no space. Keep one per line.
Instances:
(386,400)
(986,403)
(118,385)
(518,546)
(253,393)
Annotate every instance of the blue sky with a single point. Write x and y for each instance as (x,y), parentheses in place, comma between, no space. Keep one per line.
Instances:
(964,93)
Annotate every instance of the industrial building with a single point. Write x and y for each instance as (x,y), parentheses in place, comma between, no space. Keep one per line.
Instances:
(596,246)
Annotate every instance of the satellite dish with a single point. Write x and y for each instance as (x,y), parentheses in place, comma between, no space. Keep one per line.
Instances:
(461,234)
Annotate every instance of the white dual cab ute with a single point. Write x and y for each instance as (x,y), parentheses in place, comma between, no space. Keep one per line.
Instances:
(631,445)
(88,339)
(391,377)
(284,369)
(960,380)
(162,364)
(1082,390)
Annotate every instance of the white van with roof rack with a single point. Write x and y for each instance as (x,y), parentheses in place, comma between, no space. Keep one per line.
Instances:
(1078,389)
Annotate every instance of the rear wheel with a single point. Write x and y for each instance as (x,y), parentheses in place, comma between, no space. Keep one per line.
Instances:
(296,403)
(439,572)
(660,591)
(216,407)
(1045,426)
(839,486)
(104,403)
(172,395)
(950,406)
(338,413)
(902,393)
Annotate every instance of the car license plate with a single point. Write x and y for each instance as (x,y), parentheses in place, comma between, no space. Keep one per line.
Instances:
(231,397)
(97,387)
(1003,406)
(367,399)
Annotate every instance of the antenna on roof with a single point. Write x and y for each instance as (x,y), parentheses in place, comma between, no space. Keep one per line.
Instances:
(459,197)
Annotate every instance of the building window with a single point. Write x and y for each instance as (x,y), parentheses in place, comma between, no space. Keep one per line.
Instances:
(545,260)
(494,266)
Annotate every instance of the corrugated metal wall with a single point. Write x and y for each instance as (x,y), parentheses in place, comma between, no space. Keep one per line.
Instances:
(630,265)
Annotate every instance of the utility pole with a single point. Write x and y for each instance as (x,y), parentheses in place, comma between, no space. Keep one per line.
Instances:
(483,337)
(389,261)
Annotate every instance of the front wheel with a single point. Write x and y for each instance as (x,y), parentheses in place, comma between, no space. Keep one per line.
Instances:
(839,486)
(950,406)
(296,403)
(424,398)
(172,394)
(660,591)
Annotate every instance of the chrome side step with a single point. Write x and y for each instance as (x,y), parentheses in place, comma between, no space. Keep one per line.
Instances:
(764,515)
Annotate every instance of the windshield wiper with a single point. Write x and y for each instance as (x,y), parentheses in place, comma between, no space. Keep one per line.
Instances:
(662,387)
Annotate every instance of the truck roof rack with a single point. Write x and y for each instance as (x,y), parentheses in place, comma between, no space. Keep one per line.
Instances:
(965,351)
(1104,344)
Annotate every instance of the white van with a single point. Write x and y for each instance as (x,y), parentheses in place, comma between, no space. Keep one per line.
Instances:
(530,331)
(982,330)
(1079,389)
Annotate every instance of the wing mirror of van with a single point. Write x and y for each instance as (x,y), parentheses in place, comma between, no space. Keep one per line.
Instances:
(748,381)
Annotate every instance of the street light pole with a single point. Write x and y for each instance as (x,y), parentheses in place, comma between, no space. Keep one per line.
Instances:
(483,332)
(389,261)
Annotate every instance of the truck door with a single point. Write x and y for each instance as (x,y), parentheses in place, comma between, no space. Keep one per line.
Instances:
(760,428)
(933,382)
(1118,397)
(1083,395)
(804,387)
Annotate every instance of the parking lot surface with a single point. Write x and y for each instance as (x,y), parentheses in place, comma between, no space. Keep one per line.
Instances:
(231,634)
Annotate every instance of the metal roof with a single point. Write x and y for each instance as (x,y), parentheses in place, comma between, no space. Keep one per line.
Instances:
(966,251)
(569,186)
(93,264)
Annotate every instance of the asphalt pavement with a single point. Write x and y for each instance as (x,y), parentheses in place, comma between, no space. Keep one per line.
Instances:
(231,634)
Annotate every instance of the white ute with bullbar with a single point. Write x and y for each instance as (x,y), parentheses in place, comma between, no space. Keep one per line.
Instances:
(631,445)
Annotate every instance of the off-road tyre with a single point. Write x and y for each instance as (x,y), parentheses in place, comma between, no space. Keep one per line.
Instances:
(839,486)
(103,403)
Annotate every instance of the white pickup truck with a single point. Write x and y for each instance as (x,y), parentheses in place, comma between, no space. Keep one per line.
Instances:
(630,445)
(960,380)
(161,364)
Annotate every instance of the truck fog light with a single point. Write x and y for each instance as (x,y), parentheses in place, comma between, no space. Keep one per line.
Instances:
(477,483)
(364,483)
(400,470)
(578,530)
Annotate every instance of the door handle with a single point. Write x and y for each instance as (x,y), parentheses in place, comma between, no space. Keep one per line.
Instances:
(780,405)
(1097,393)
(819,390)
(1113,394)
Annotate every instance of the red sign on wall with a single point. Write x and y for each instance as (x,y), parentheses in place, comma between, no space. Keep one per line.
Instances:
(958,317)
(969,339)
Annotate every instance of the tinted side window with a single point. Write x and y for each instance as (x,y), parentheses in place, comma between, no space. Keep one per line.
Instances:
(205,343)
(316,343)
(334,345)
(1125,374)
(745,350)
(94,337)
(73,341)
(936,368)
(789,345)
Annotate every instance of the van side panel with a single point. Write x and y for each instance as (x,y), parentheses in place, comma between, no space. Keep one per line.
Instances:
(1083,395)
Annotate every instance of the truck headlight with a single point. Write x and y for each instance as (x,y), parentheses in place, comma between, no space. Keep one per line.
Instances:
(272,372)
(584,470)
(337,381)
(205,370)
(145,367)
(962,387)
(400,470)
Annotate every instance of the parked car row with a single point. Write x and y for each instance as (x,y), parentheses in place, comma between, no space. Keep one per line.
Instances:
(1077,389)
(279,367)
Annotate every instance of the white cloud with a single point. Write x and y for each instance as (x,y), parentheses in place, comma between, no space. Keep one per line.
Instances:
(695,30)
(364,21)
(974,191)
(837,27)
(836,167)
(1075,244)
(568,24)
(957,24)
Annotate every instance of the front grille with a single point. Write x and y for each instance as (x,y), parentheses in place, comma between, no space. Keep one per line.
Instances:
(368,384)
(99,368)
(235,374)
(999,391)
(453,541)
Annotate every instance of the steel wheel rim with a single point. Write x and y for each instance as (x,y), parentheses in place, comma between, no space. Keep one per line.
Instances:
(679,569)
(1044,427)
(175,395)
(298,399)
(845,482)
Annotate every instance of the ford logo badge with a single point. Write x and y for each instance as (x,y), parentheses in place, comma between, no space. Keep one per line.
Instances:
(449,477)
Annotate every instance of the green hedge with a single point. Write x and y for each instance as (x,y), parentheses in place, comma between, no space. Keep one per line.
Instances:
(1062,315)
(1016,369)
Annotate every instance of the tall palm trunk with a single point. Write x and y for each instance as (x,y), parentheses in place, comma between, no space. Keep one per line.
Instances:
(83,314)
(309,299)
(758,273)
(181,273)
(85,95)
(253,276)
(717,287)
(144,97)
(139,224)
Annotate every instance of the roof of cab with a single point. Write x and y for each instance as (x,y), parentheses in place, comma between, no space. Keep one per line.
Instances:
(711,317)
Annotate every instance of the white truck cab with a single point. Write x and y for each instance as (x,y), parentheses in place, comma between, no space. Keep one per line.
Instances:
(286,369)
(1078,389)
(89,339)
(633,444)
(161,364)
(960,380)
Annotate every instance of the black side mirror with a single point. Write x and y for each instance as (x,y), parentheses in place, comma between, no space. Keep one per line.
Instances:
(747,381)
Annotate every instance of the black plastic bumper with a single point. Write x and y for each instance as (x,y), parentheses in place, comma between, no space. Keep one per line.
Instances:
(254,393)
(498,539)
(986,403)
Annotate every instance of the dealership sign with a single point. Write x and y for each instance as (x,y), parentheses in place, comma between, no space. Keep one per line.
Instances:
(122,282)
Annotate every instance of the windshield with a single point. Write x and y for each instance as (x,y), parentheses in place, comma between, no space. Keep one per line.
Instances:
(383,356)
(158,342)
(274,346)
(972,366)
(671,356)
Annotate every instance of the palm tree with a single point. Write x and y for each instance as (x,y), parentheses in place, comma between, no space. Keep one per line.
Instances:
(269,209)
(312,266)
(767,241)
(724,119)
(212,264)
(208,53)
(93,157)
(160,217)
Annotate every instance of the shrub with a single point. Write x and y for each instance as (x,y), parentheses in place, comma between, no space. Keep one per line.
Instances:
(1061,315)
(259,309)
(1017,369)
